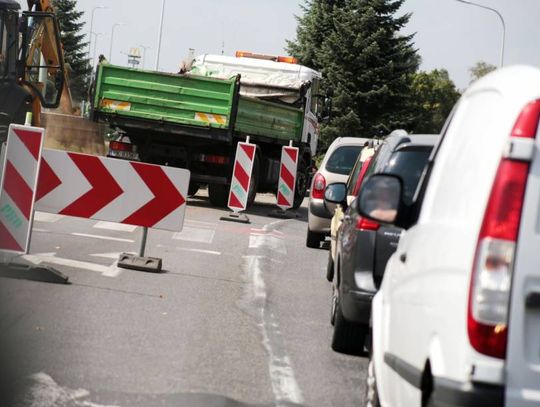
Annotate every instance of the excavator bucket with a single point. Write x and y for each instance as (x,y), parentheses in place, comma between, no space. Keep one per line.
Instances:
(73,133)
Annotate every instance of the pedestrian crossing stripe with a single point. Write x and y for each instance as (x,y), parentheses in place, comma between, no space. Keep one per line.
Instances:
(116,105)
(211,118)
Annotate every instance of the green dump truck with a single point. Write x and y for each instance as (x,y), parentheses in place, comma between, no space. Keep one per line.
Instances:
(195,119)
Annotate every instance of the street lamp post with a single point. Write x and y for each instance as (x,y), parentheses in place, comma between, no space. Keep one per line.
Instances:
(96,35)
(92,26)
(158,50)
(112,39)
(502,22)
(144,54)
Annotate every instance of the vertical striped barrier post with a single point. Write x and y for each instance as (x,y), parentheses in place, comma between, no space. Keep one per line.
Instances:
(287,181)
(240,182)
(18,187)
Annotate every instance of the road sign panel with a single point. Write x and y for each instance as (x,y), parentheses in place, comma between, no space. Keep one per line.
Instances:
(18,186)
(287,177)
(243,166)
(112,190)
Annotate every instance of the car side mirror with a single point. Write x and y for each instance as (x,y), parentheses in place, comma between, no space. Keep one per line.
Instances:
(380,198)
(335,194)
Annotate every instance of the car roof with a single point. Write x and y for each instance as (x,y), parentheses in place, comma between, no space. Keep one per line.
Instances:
(418,140)
(351,141)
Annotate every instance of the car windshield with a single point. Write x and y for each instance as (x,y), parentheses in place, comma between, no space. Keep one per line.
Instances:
(408,164)
(342,160)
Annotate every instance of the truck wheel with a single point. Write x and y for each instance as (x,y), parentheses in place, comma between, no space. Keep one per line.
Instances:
(218,194)
(193,189)
(348,338)
(254,184)
(301,185)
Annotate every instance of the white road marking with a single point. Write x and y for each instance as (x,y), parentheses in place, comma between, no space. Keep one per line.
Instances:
(45,392)
(107,271)
(40,230)
(111,255)
(284,384)
(114,239)
(268,241)
(189,249)
(120,227)
(198,235)
(46,217)
(200,223)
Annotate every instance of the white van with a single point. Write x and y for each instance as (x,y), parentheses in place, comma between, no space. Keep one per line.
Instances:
(457,319)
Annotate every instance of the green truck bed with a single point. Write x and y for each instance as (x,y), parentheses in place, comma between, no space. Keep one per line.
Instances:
(189,100)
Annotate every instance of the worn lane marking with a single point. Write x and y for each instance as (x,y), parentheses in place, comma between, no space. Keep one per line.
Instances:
(107,271)
(284,384)
(114,239)
(189,249)
(40,230)
(47,217)
(257,241)
(111,255)
(120,227)
(198,235)
(200,223)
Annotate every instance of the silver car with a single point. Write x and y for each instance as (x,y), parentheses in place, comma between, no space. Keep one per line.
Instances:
(335,167)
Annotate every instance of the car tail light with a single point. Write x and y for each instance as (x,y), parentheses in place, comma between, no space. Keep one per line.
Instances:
(366,224)
(319,185)
(121,146)
(489,294)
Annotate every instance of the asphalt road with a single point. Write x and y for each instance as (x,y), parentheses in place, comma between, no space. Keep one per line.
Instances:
(240,316)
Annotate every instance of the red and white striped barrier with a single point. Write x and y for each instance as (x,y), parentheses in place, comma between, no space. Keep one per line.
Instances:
(287,177)
(243,166)
(112,190)
(18,186)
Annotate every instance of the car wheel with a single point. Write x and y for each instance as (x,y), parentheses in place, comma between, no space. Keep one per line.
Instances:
(301,185)
(314,239)
(372,395)
(330,267)
(348,338)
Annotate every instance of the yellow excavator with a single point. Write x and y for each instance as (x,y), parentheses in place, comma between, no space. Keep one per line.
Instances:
(34,78)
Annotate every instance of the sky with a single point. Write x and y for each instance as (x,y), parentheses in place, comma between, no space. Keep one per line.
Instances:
(449,34)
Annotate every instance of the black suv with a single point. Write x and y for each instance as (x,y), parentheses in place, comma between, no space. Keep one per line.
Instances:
(363,246)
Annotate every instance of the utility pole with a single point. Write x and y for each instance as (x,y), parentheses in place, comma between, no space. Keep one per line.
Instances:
(158,50)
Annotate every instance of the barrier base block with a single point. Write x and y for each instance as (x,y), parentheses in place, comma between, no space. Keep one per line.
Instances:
(42,274)
(133,262)
(236,217)
(281,214)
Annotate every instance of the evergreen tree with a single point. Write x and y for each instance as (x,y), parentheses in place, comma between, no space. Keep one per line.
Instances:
(74,45)
(358,47)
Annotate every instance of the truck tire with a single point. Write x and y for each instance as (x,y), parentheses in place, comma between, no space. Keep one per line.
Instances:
(218,194)
(193,189)
(301,185)
(254,184)
(348,338)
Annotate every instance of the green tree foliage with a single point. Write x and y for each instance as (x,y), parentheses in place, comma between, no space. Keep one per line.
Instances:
(358,47)
(432,98)
(480,69)
(74,44)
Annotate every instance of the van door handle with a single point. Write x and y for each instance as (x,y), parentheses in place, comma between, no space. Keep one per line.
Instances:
(403,257)
(532,300)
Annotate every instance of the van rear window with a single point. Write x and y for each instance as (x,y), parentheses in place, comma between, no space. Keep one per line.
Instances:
(342,160)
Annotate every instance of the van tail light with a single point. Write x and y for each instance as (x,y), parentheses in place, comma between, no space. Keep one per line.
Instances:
(319,185)
(366,224)
(489,293)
